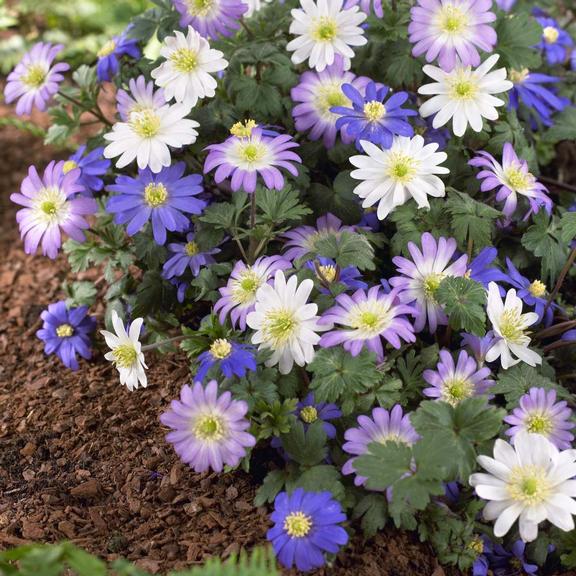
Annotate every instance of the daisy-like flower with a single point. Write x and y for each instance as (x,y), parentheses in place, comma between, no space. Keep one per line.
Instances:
(186,75)
(285,322)
(391,177)
(212,18)
(539,413)
(66,332)
(420,279)
(110,54)
(372,119)
(52,205)
(556,43)
(453,383)
(147,135)
(250,152)
(367,318)
(239,295)
(164,199)
(126,352)
(452,30)
(383,427)
(141,97)
(316,94)
(511,178)
(35,80)
(328,273)
(309,411)
(530,482)
(464,95)
(208,431)
(92,167)
(232,358)
(325,29)
(510,326)
(303,239)
(187,255)
(478,345)
(306,525)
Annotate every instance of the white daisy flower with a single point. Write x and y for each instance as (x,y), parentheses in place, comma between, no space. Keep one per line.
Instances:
(147,135)
(285,323)
(510,325)
(391,177)
(464,95)
(126,352)
(324,29)
(531,481)
(186,74)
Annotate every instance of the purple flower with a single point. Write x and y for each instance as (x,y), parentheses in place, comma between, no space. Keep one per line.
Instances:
(479,345)
(513,563)
(452,30)
(384,426)
(328,272)
(187,255)
(368,318)
(239,294)
(366,6)
(162,198)
(232,359)
(421,278)
(52,205)
(506,6)
(309,411)
(431,135)
(211,18)
(66,332)
(306,525)
(539,413)
(141,96)
(481,271)
(453,383)
(110,54)
(92,167)
(34,80)
(511,178)
(555,43)
(208,431)
(250,152)
(302,240)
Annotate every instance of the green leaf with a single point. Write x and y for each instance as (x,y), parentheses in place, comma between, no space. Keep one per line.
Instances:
(279,206)
(272,485)
(518,33)
(384,464)
(80,293)
(373,511)
(568,226)
(85,564)
(306,446)
(348,249)
(564,127)
(319,479)
(151,294)
(464,301)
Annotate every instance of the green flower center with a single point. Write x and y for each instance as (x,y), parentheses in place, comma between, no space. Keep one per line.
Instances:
(454,391)
(191,249)
(297,524)
(125,355)
(476,545)
(200,7)
(155,194)
(518,76)
(401,167)
(510,326)
(220,348)
(517,179)
(539,423)
(280,325)
(209,427)
(69,165)
(431,284)
(453,20)
(145,123)
(184,60)
(309,414)
(34,77)
(328,273)
(329,97)
(50,204)
(64,331)
(374,110)
(325,29)
(244,288)
(550,34)
(49,207)
(537,288)
(529,485)
(463,89)
(107,49)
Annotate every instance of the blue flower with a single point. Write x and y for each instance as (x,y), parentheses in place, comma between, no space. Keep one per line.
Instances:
(481,271)
(504,563)
(187,255)
(162,198)
(110,54)
(327,271)
(555,42)
(430,134)
(309,411)
(66,332)
(232,359)
(372,119)
(306,524)
(92,166)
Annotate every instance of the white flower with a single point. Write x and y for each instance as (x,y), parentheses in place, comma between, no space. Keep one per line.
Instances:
(148,133)
(530,482)
(285,323)
(510,325)
(126,352)
(186,74)
(465,95)
(391,177)
(325,29)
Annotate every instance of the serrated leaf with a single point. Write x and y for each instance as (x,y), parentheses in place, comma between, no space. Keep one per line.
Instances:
(464,302)
(306,446)
(564,127)
(319,479)
(280,206)
(568,226)
(384,464)
(372,509)
(348,249)
(518,33)
(272,485)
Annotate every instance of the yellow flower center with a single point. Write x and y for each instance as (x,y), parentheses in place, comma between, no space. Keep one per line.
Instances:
(107,49)
(145,123)
(537,288)
(454,391)
(209,427)
(191,249)
(374,110)
(328,273)
(518,76)
(529,485)
(517,180)
(328,97)
(244,288)
(309,414)
(297,524)
(431,284)
(550,34)
(510,326)
(325,29)
(155,194)
(200,7)
(539,423)
(476,545)
(64,331)
(243,130)
(34,77)
(69,165)
(401,167)
(125,355)
(50,204)
(369,318)
(463,89)
(453,20)
(184,60)
(280,326)
(220,348)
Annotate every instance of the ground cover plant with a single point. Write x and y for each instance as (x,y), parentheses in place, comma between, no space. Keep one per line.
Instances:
(353,220)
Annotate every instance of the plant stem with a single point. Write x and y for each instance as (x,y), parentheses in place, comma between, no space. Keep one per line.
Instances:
(246,27)
(557,183)
(470,247)
(97,113)
(253,242)
(560,280)
(556,329)
(164,342)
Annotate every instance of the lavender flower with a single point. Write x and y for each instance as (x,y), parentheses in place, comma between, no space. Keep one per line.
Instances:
(161,198)
(306,525)
(372,119)
(421,278)
(479,345)
(539,413)
(52,206)
(384,426)
(309,411)
(233,359)
(505,5)
(212,18)
(453,383)
(110,54)
(187,255)
(66,332)
(366,6)
(555,43)
(367,318)
(328,272)
(208,430)
(92,167)
(250,152)
(141,97)
(35,80)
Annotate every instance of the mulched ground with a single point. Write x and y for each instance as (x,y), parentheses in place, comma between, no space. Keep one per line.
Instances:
(84,460)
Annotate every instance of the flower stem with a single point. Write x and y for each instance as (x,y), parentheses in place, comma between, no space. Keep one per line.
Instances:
(556,329)
(163,343)
(560,280)
(253,241)
(557,183)
(97,113)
